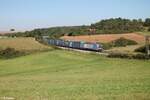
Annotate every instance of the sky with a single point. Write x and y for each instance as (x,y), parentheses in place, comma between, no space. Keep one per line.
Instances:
(30,14)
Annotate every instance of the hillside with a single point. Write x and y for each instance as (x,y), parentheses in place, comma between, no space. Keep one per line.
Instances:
(66,75)
(109,26)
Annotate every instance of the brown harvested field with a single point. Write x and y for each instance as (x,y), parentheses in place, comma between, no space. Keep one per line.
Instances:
(106,38)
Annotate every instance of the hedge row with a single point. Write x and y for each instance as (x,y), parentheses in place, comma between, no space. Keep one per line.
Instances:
(128,56)
(10,53)
(141,49)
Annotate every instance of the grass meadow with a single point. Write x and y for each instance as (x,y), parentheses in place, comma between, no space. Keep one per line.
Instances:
(68,75)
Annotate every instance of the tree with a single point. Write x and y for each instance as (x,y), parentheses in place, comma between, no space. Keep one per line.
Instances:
(149,29)
(118,25)
(70,34)
(147,22)
(140,20)
(12,29)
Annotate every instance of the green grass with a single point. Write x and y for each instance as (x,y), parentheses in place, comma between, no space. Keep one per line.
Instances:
(66,75)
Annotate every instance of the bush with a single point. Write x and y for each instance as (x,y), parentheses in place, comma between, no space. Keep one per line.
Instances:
(10,53)
(141,49)
(106,46)
(140,56)
(128,56)
(122,42)
(149,29)
(119,55)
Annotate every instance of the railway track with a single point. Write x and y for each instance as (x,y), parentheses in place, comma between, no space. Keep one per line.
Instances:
(84,51)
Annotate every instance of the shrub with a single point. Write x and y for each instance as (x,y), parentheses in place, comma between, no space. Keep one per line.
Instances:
(149,29)
(141,49)
(122,42)
(119,55)
(128,56)
(106,46)
(10,53)
(140,56)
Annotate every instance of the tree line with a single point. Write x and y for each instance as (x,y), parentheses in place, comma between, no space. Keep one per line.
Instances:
(118,25)
(107,26)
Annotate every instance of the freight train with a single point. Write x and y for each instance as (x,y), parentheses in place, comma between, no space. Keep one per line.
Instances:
(73,44)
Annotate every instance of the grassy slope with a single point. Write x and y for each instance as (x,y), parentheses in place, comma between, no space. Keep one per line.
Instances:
(64,75)
(22,44)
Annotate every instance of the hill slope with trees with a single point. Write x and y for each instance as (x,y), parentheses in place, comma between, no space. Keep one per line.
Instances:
(107,26)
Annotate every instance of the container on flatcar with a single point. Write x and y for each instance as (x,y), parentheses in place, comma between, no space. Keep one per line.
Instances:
(70,44)
(62,43)
(66,43)
(51,42)
(82,44)
(76,44)
(56,42)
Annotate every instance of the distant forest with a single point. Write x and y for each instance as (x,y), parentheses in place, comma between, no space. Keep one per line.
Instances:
(107,26)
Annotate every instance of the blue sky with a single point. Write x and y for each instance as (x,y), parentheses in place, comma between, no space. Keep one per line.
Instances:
(30,14)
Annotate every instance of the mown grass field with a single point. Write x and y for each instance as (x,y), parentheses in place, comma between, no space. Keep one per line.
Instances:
(67,75)
(22,44)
